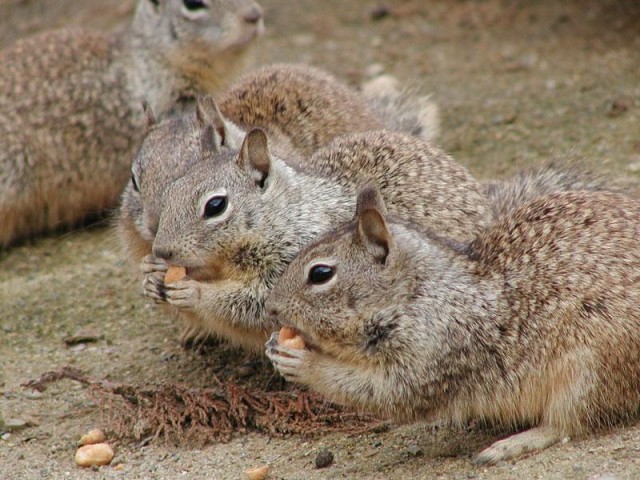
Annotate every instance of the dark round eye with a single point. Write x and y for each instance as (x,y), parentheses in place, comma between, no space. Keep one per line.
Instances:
(194,4)
(320,274)
(134,183)
(215,206)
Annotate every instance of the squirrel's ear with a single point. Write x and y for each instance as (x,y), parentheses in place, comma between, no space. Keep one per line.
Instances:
(150,117)
(255,156)
(372,229)
(214,128)
(369,197)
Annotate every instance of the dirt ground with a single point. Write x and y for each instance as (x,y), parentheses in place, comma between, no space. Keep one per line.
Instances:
(518,82)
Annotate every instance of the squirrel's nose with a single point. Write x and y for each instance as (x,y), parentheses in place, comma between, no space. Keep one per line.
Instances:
(273,313)
(253,14)
(162,252)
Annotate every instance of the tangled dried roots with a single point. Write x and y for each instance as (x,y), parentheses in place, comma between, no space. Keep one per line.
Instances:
(179,413)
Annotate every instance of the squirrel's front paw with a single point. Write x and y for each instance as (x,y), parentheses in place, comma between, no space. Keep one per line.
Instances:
(184,294)
(153,286)
(287,361)
(152,264)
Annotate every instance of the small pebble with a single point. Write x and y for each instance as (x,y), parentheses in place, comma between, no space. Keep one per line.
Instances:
(504,119)
(324,458)
(33,395)
(83,336)
(246,370)
(303,40)
(15,424)
(379,12)
(619,106)
(634,167)
(414,450)
(374,70)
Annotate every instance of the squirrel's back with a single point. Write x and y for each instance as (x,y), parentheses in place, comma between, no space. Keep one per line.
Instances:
(300,104)
(569,264)
(58,130)
(424,182)
(575,244)
(309,107)
(507,193)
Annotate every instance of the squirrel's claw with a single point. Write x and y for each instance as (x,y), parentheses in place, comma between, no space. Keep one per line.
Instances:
(287,361)
(184,294)
(153,287)
(151,264)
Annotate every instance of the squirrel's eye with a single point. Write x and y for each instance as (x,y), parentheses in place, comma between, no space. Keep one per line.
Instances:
(134,183)
(320,274)
(155,2)
(215,206)
(194,4)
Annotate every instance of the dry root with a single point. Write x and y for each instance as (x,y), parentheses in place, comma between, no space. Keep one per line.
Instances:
(180,413)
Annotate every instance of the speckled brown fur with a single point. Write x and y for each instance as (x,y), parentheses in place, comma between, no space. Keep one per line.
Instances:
(302,108)
(274,212)
(535,322)
(71,107)
(299,104)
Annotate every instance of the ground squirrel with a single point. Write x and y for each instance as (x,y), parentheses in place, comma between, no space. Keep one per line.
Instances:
(70,103)
(249,249)
(534,322)
(236,220)
(300,107)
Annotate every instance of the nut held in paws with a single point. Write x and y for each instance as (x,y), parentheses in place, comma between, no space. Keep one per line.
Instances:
(288,337)
(175,274)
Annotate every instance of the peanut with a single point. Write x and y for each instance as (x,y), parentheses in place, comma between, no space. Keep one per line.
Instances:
(175,274)
(286,333)
(96,454)
(259,473)
(296,343)
(92,436)
(288,337)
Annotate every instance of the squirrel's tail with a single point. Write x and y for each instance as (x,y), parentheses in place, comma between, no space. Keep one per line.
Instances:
(401,109)
(556,176)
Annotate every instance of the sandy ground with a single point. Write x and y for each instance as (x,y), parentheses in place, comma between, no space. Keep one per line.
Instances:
(518,82)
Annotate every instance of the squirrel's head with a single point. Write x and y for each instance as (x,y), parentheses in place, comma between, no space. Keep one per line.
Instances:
(215,25)
(197,28)
(171,146)
(336,290)
(218,209)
